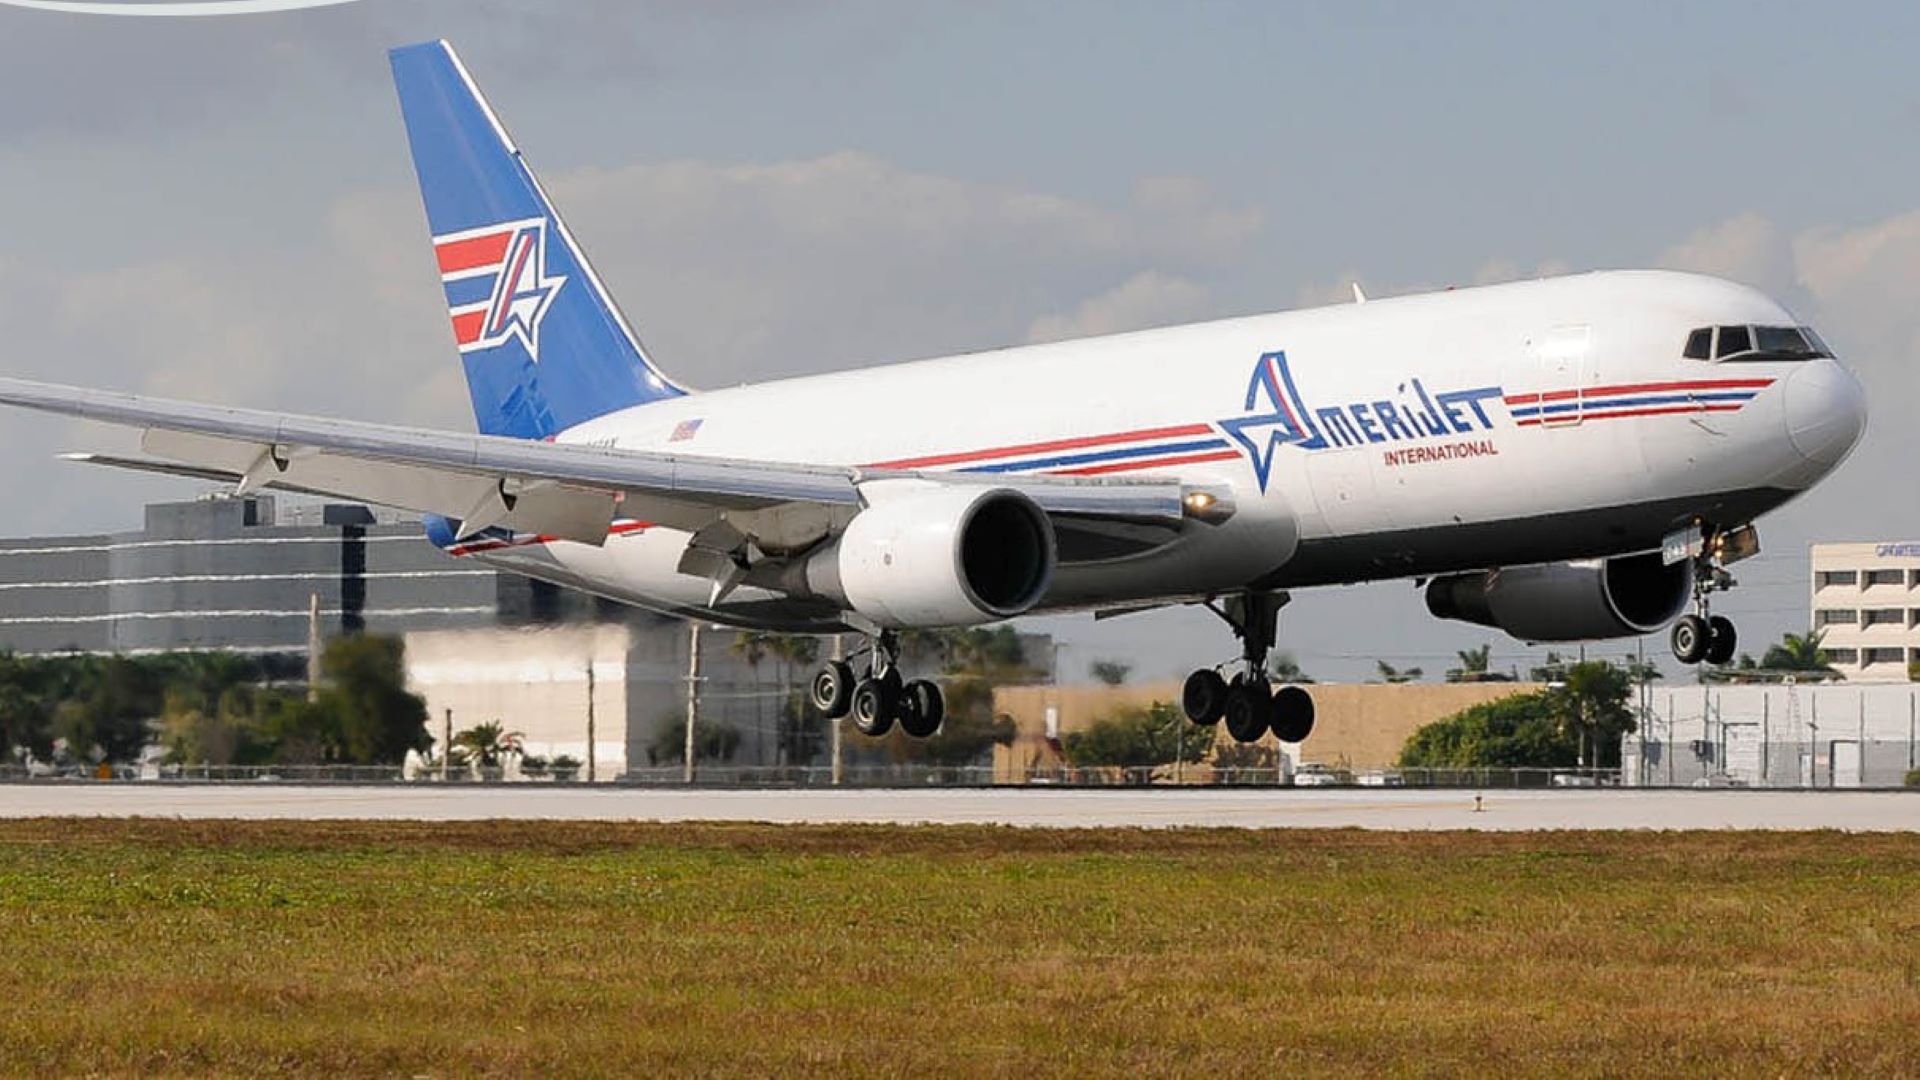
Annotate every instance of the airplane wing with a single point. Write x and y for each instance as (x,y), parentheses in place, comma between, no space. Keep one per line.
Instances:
(569,491)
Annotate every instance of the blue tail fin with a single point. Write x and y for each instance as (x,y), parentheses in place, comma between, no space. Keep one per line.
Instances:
(543,344)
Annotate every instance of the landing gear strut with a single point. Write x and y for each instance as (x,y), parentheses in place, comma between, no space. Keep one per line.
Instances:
(878,698)
(1249,703)
(1700,634)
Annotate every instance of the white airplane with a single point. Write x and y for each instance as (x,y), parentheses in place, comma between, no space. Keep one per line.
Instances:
(1565,459)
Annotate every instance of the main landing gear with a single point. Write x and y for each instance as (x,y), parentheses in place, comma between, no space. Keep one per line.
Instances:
(1700,634)
(878,698)
(1249,704)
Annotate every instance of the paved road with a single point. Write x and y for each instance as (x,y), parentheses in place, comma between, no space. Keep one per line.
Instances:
(1257,809)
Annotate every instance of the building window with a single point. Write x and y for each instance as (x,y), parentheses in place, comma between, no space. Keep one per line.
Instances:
(1884,656)
(1886,577)
(1836,617)
(1886,616)
(1839,577)
(1849,657)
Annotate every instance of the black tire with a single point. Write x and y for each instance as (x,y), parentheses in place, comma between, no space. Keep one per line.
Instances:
(1204,697)
(875,703)
(922,708)
(1292,714)
(1249,710)
(832,689)
(1690,639)
(1722,639)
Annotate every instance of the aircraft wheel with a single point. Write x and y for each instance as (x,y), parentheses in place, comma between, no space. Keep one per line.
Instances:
(1721,639)
(875,703)
(1690,639)
(1249,709)
(922,708)
(1292,714)
(1204,697)
(832,689)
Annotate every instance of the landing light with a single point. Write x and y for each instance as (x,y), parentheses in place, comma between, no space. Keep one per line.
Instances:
(1206,506)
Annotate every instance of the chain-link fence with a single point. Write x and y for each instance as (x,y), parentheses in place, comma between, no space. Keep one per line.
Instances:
(1776,737)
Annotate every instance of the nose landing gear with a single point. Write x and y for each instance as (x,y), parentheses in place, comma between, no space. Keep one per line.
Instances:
(1701,635)
(879,698)
(1249,703)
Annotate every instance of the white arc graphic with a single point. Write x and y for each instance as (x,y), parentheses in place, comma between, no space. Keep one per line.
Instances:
(184,9)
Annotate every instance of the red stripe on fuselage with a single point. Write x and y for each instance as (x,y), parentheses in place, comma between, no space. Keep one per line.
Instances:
(1639,388)
(472,253)
(1042,447)
(1148,463)
(1568,419)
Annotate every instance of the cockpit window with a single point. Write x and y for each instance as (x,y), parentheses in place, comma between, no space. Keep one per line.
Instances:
(1734,340)
(1753,343)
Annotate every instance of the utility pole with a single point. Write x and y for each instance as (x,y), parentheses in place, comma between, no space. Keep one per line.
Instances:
(313,647)
(839,653)
(446,743)
(693,696)
(591,745)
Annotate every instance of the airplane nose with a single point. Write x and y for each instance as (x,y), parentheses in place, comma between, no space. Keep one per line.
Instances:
(1826,411)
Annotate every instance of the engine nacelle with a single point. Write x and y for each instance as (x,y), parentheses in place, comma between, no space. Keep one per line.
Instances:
(1601,598)
(928,555)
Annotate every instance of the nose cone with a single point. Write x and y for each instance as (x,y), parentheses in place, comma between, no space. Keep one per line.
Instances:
(1826,412)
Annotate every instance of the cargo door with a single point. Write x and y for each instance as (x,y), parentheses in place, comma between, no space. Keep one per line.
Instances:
(1561,357)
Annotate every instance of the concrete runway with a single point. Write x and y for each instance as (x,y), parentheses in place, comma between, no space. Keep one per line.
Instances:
(1401,809)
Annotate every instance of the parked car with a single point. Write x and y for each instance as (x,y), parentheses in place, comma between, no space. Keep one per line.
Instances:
(1316,775)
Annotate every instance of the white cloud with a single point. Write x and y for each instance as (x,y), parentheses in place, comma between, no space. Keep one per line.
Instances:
(1144,300)
(1746,248)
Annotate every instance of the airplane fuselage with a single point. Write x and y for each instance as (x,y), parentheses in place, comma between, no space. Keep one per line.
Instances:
(1524,423)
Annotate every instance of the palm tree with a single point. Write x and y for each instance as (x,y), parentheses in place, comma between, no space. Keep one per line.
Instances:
(1798,652)
(1389,673)
(1285,669)
(1473,665)
(485,744)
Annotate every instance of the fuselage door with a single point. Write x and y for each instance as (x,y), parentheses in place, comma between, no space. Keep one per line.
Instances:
(1561,356)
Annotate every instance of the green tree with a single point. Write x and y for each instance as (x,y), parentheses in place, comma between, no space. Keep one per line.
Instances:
(1512,732)
(1798,653)
(376,719)
(1110,672)
(1391,674)
(801,730)
(713,742)
(1592,703)
(1285,669)
(1476,665)
(1139,736)
(487,744)
(115,713)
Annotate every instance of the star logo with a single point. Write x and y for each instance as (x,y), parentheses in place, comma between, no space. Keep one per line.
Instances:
(1275,420)
(525,291)
(498,286)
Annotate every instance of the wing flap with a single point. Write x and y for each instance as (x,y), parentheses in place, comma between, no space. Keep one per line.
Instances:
(571,490)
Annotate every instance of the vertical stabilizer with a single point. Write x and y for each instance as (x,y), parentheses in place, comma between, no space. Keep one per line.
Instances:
(543,344)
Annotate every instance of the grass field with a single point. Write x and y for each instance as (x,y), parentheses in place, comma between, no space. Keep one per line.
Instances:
(544,948)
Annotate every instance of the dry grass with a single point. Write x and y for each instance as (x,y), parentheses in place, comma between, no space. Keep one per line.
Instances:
(194,948)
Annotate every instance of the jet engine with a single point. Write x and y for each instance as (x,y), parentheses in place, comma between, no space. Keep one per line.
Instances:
(1601,598)
(926,555)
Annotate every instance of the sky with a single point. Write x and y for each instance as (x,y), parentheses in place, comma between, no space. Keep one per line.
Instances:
(223,209)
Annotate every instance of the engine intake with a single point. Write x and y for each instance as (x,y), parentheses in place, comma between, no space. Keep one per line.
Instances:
(1580,601)
(931,555)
